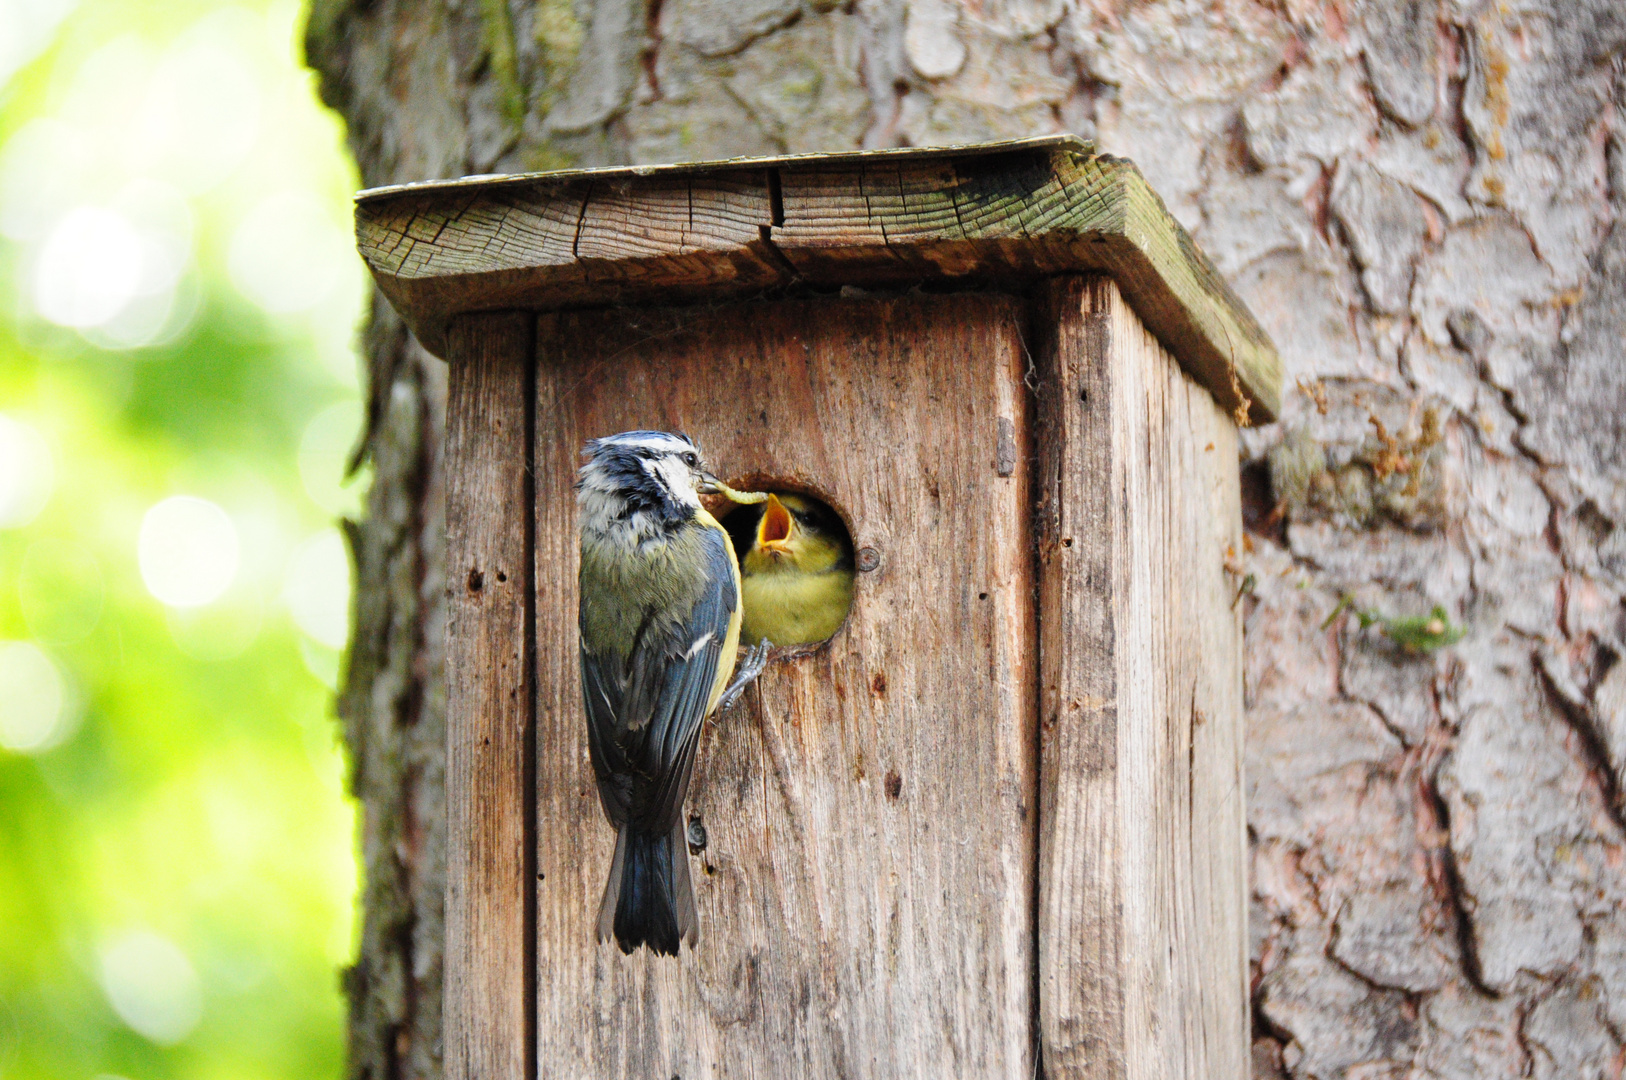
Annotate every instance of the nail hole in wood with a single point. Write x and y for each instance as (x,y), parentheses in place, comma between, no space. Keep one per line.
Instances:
(477,581)
(894,784)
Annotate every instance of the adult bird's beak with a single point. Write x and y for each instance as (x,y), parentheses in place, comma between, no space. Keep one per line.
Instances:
(773,531)
(710,485)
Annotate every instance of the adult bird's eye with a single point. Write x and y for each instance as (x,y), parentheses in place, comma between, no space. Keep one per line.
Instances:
(692,460)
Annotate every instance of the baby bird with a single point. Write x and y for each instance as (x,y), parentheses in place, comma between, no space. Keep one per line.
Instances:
(796,570)
(660,626)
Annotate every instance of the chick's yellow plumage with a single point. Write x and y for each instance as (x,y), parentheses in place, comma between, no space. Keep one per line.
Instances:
(796,571)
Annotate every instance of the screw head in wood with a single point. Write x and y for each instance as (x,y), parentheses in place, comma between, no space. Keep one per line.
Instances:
(868,559)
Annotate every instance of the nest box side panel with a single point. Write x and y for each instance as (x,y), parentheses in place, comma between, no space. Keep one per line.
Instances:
(866,895)
(488,709)
(1142,852)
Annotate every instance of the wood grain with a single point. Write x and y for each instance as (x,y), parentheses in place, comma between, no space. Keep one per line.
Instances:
(866,898)
(1142,853)
(488,1027)
(1081,993)
(1002,212)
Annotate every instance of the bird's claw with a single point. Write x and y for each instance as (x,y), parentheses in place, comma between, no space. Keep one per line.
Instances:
(750,667)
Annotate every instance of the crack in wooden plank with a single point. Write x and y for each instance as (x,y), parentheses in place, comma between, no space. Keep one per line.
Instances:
(581,223)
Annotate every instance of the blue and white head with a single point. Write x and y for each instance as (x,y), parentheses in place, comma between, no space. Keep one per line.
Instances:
(640,484)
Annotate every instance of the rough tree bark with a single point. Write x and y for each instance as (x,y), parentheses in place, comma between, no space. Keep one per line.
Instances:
(1425,203)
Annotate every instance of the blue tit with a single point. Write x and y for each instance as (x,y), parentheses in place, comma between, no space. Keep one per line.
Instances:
(660,628)
(797,566)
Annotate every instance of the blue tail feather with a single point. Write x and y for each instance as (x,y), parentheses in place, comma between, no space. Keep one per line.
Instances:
(646,911)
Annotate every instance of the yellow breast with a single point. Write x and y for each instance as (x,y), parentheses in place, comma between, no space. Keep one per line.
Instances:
(795,609)
(731,641)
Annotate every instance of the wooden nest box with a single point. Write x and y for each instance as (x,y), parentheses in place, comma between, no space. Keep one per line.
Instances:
(998,816)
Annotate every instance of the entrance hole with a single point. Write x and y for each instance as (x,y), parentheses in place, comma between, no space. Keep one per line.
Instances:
(796,568)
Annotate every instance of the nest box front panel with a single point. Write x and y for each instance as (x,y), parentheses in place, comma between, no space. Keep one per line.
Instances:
(866,891)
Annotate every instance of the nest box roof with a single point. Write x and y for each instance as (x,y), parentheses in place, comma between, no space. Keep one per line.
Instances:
(997,212)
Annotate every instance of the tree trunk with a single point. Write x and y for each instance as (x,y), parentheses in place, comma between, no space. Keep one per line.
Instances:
(1423,202)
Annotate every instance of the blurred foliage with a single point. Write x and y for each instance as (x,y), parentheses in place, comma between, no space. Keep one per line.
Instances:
(178,395)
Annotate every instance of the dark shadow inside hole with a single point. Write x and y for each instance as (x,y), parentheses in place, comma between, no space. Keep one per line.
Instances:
(796,568)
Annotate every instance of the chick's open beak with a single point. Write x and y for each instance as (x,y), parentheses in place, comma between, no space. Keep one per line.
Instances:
(773,531)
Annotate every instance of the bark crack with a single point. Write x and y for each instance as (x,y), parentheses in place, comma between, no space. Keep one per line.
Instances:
(1579,714)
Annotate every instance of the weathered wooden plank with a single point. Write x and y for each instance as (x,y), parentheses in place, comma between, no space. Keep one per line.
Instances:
(488,1013)
(566,240)
(1180,709)
(665,216)
(1142,851)
(839,223)
(1081,828)
(999,212)
(866,897)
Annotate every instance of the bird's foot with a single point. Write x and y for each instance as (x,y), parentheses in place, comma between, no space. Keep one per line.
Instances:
(750,667)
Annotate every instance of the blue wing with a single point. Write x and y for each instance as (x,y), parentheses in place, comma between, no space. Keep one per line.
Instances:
(644,714)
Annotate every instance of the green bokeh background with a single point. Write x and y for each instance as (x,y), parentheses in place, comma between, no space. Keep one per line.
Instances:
(178,307)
